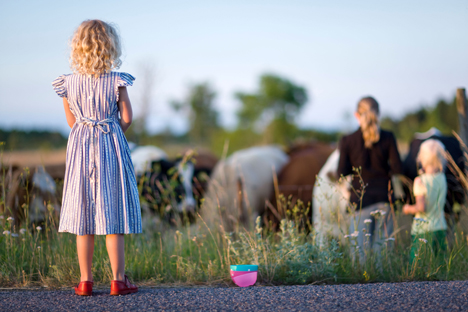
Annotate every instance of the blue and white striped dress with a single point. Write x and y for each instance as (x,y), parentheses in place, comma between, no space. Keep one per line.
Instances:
(100,194)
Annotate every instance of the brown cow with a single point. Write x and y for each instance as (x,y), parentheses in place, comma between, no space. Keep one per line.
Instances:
(297,179)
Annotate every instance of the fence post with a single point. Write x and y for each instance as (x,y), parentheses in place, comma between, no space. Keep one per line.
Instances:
(462,107)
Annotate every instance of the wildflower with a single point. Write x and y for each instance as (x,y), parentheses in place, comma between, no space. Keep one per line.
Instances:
(355,234)
(6,232)
(368,234)
(24,239)
(10,219)
(39,247)
(415,255)
(14,235)
(378,212)
(347,236)
(368,221)
(194,238)
(22,231)
(423,240)
(38,228)
(419,220)
(2,217)
(390,239)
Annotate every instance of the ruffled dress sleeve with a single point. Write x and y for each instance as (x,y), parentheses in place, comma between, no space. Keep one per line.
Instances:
(60,87)
(123,80)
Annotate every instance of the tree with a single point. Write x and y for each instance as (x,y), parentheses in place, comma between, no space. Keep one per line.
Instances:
(273,108)
(443,116)
(202,116)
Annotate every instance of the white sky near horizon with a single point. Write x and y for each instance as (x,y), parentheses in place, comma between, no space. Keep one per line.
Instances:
(404,53)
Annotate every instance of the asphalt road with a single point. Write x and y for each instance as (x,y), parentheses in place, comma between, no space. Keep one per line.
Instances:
(415,296)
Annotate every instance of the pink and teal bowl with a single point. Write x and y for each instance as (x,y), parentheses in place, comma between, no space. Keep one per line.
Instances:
(244,275)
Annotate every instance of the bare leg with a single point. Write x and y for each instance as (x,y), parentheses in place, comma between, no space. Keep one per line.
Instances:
(85,248)
(115,249)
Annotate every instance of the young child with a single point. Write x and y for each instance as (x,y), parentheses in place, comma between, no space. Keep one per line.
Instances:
(100,195)
(430,190)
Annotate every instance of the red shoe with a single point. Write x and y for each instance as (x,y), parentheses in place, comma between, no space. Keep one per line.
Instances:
(122,288)
(84,289)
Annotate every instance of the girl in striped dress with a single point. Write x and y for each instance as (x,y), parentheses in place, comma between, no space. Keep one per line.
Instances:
(100,195)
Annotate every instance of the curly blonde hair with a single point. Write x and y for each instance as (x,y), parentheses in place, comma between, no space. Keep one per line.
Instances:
(368,110)
(95,48)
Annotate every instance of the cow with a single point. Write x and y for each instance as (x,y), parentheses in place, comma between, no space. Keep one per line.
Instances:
(35,186)
(331,201)
(168,186)
(455,191)
(296,181)
(240,185)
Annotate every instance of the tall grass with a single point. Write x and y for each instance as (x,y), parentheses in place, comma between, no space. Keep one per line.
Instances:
(36,254)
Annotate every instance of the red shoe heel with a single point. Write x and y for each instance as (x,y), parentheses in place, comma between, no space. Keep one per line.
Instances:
(122,288)
(84,289)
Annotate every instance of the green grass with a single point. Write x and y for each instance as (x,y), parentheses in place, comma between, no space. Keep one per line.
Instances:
(199,255)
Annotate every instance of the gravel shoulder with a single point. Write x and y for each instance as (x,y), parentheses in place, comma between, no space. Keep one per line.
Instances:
(414,296)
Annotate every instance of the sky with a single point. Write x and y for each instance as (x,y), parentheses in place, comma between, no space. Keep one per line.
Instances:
(404,53)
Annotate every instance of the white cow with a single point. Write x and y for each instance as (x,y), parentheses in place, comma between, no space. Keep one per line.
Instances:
(330,200)
(240,185)
(331,197)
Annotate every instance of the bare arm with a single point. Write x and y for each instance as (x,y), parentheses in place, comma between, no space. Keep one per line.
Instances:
(125,108)
(70,117)
(419,207)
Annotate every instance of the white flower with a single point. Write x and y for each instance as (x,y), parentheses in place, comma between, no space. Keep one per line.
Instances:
(368,221)
(415,255)
(39,247)
(2,217)
(347,236)
(378,212)
(10,219)
(14,235)
(22,231)
(38,228)
(423,240)
(390,239)
(368,234)
(355,234)
(6,232)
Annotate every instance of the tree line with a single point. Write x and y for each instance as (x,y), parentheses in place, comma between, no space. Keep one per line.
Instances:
(267,115)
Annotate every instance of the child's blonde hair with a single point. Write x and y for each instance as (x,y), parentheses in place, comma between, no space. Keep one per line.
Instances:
(432,153)
(368,109)
(95,48)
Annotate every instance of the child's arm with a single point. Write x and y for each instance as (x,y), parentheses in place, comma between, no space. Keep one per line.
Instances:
(420,205)
(70,117)
(125,108)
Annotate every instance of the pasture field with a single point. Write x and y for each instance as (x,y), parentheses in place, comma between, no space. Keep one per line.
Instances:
(35,254)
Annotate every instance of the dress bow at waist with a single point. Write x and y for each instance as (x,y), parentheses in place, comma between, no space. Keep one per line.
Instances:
(102,125)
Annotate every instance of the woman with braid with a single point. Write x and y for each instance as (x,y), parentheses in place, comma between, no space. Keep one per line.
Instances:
(373,152)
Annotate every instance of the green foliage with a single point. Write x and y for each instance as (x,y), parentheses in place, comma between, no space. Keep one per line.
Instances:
(274,106)
(443,115)
(203,118)
(29,140)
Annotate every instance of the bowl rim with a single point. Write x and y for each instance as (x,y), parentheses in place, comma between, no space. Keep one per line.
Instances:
(244,267)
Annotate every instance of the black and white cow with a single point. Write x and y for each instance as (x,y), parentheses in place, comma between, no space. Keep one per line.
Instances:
(167,186)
